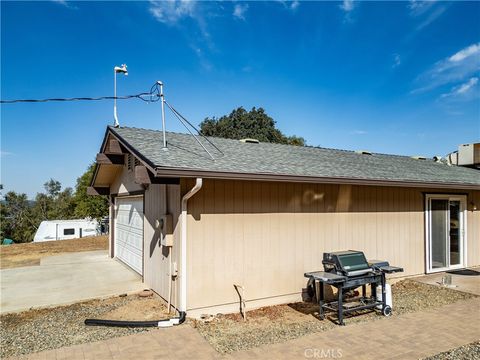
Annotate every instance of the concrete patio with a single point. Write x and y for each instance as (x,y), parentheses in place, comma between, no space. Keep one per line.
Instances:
(65,279)
(466,283)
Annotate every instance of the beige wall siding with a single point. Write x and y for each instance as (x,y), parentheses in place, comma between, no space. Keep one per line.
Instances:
(160,200)
(473,229)
(265,235)
(125,183)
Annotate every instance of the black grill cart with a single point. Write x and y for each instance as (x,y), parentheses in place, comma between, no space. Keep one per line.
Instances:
(348,270)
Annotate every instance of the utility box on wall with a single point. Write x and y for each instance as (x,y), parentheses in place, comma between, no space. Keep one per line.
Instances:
(166,230)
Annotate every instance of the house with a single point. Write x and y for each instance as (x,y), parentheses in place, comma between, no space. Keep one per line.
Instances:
(259,215)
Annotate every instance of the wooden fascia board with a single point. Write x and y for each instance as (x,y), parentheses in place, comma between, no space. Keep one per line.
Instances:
(95,191)
(110,159)
(143,176)
(175,172)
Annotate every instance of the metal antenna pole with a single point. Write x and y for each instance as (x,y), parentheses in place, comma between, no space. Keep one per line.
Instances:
(115,117)
(163,115)
(117,69)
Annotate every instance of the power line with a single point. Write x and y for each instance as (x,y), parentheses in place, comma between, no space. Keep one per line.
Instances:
(152,96)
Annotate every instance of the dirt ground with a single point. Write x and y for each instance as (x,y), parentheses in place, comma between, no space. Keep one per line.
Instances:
(228,333)
(44,329)
(29,254)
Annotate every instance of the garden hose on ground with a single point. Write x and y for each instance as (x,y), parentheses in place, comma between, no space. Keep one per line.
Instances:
(151,323)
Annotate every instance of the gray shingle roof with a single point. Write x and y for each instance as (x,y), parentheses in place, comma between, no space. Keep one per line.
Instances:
(184,153)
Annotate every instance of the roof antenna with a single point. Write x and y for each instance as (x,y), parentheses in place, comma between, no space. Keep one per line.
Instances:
(162,97)
(117,69)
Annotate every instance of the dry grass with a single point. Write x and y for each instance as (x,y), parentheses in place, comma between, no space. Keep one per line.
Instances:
(273,324)
(29,254)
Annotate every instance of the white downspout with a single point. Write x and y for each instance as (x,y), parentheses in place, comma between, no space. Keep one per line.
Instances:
(183,254)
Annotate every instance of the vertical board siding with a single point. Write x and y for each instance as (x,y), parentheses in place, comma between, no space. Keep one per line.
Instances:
(265,235)
(160,200)
(155,256)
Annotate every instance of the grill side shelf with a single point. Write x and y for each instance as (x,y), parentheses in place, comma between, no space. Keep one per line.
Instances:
(326,277)
(390,269)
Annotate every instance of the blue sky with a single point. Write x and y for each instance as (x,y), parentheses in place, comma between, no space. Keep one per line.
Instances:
(391,77)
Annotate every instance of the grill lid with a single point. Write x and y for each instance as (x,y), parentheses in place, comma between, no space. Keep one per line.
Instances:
(350,261)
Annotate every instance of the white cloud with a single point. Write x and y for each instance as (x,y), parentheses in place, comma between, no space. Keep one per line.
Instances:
(67,4)
(432,16)
(453,69)
(294,5)
(171,11)
(347,5)
(290,5)
(239,11)
(464,53)
(396,60)
(426,11)
(462,89)
(417,7)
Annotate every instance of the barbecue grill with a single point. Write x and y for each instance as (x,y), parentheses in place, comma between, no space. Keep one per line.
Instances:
(346,271)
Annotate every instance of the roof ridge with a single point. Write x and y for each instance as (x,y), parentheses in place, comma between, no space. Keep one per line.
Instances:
(269,143)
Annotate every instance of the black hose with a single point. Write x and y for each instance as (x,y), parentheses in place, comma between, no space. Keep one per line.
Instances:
(122,323)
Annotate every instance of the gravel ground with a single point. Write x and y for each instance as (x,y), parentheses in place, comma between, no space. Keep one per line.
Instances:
(44,329)
(465,352)
(228,333)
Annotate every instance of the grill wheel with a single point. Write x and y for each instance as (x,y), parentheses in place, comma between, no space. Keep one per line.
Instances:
(387,311)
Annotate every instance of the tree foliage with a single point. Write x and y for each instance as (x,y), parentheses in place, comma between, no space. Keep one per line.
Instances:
(95,207)
(16,218)
(20,218)
(242,124)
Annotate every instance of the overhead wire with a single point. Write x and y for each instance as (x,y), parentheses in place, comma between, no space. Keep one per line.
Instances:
(152,96)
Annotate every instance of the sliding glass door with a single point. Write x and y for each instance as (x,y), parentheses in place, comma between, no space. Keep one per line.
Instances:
(445,223)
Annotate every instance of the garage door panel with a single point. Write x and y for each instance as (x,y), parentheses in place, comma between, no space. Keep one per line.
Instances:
(129,232)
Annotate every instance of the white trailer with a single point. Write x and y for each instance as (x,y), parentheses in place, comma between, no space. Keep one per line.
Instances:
(50,230)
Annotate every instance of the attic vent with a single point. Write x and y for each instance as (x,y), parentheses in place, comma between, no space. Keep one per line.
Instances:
(250,141)
(419,157)
(364,152)
(132,161)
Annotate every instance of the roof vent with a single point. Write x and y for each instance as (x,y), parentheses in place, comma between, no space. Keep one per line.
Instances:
(364,152)
(250,141)
(417,157)
(437,158)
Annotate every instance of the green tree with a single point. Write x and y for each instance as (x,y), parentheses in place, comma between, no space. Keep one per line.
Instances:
(52,187)
(17,220)
(241,124)
(95,207)
(54,204)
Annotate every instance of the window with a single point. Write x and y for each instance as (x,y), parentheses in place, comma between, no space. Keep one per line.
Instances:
(68,231)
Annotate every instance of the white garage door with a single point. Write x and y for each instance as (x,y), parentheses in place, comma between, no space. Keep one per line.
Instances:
(129,231)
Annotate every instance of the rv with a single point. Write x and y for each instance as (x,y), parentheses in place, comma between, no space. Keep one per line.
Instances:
(50,230)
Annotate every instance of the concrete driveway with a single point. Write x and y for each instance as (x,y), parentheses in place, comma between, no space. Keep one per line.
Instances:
(65,279)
